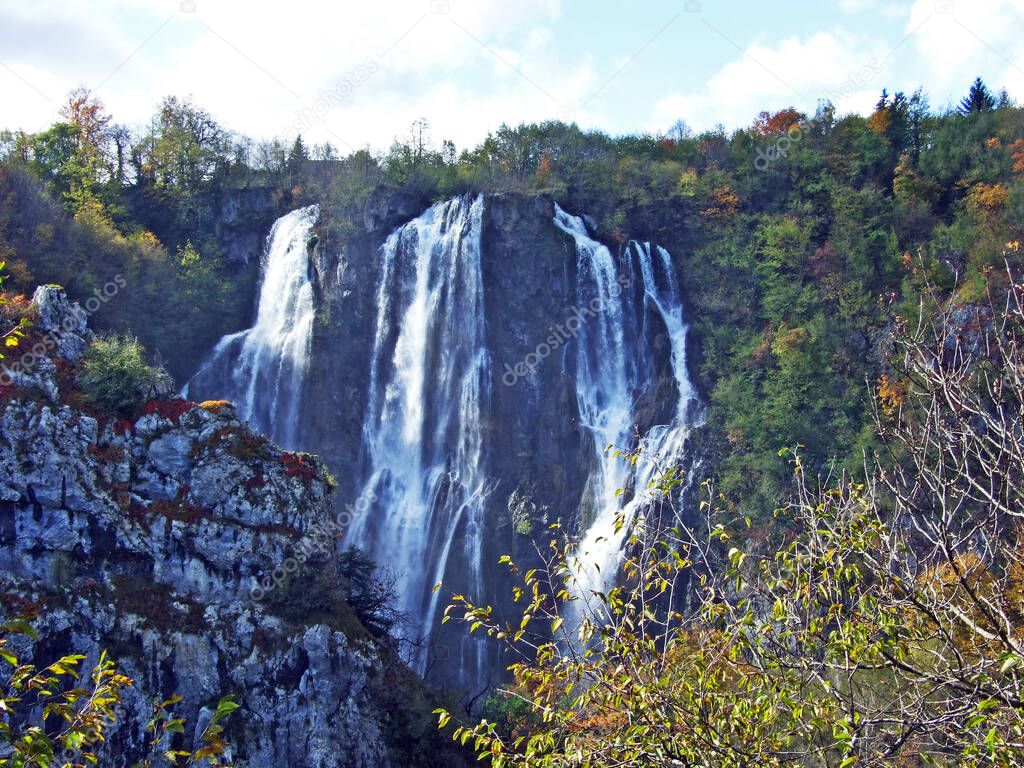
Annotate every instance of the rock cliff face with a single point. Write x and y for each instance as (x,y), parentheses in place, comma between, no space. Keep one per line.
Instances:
(151,537)
(242,216)
(534,271)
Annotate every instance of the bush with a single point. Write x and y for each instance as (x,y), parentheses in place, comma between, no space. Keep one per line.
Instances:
(116,377)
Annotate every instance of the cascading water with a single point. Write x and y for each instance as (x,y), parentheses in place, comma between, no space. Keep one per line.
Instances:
(262,368)
(425,477)
(612,369)
(426,482)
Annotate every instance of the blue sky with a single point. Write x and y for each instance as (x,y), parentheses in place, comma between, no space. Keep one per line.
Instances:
(357,74)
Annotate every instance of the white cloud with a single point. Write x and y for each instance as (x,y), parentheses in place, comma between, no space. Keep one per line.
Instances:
(794,72)
(32,96)
(258,64)
(468,65)
(957,40)
(944,45)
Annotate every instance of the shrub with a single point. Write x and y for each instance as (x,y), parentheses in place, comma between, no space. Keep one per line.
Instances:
(116,377)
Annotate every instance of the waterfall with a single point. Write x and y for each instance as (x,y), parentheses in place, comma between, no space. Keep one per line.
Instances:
(425,484)
(427,509)
(261,369)
(625,297)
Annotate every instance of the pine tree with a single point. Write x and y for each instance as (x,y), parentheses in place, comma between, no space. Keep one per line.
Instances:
(298,152)
(979,99)
(297,157)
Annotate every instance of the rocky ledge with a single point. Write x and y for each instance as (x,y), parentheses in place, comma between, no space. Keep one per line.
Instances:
(164,540)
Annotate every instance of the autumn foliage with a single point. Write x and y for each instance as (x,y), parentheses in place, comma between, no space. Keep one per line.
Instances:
(768,124)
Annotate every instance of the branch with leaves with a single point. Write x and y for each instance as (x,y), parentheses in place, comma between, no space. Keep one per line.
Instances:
(49,719)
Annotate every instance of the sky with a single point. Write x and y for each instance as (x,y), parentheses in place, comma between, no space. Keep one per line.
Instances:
(358,74)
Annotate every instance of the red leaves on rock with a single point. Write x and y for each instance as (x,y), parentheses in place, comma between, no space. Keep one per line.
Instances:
(178,509)
(296,465)
(172,410)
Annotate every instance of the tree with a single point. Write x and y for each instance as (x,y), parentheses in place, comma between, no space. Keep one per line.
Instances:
(917,114)
(51,152)
(88,166)
(768,124)
(325,152)
(884,629)
(894,118)
(368,591)
(680,131)
(121,138)
(516,151)
(90,120)
(419,138)
(183,150)
(297,157)
(978,99)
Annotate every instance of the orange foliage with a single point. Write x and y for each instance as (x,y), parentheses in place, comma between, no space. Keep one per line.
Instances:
(769,125)
(13,307)
(107,454)
(1013,592)
(178,509)
(724,202)
(215,405)
(172,410)
(1017,152)
(955,582)
(987,198)
(879,121)
(544,168)
(124,427)
(295,465)
(891,394)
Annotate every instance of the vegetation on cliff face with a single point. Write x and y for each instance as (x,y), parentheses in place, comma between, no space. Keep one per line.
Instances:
(798,240)
(116,377)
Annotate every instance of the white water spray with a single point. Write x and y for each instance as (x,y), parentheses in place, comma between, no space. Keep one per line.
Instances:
(262,369)
(610,376)
(429,384)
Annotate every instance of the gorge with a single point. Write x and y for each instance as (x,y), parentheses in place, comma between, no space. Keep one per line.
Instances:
(463,371)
